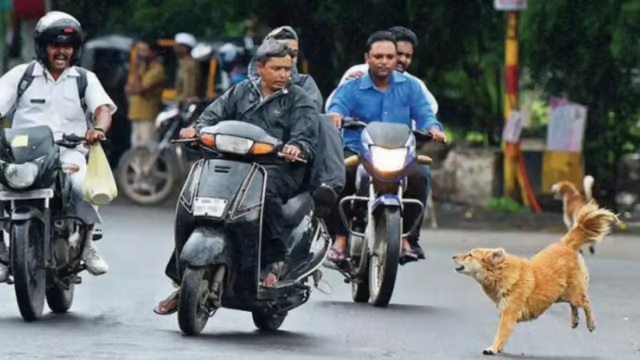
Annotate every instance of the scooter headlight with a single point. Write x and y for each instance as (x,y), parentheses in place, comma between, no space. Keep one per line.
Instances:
(233,144)
(388,160)
(20,176)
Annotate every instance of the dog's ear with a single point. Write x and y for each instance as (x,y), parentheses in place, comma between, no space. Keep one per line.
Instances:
(498,255)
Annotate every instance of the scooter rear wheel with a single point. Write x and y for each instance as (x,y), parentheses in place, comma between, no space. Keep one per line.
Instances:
(267,322)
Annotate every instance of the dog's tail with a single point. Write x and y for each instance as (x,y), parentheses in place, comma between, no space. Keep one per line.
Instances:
(587,185)
(592,225)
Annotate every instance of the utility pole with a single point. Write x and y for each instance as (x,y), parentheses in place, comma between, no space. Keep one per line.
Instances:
(514,168)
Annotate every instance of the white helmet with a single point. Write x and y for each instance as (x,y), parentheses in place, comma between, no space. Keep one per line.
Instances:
(59,28)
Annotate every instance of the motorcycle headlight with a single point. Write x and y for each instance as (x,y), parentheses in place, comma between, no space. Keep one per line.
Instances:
(388,160)
(233,144)
(20,176)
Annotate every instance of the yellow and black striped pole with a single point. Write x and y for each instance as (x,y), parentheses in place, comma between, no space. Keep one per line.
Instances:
(514,167)
(511,103)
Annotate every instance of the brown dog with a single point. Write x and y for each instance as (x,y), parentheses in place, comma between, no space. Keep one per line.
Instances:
(572,200)
(523,289)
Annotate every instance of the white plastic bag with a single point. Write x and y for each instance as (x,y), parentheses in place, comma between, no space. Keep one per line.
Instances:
(99,186)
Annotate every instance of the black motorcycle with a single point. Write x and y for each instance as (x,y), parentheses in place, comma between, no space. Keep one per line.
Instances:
(374,215)
(36,192)
(219,221)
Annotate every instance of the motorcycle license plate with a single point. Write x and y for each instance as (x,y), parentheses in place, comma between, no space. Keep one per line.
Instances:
(209,207)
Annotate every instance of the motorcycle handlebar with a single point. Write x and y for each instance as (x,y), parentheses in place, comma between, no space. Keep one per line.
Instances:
(354,123)
(72,140)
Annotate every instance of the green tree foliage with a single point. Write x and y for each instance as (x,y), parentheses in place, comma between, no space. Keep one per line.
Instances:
(589,52)
(460,54)
(583,49)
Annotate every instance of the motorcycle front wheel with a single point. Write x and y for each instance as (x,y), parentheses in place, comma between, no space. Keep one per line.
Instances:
(385,256)
(28,273)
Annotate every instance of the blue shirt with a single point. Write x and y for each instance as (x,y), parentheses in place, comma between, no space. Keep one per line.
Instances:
(403,101)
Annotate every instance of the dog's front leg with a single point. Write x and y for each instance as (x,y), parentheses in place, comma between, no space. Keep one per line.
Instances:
(508,319)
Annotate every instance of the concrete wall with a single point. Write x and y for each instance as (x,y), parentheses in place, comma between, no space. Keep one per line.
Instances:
(465,176)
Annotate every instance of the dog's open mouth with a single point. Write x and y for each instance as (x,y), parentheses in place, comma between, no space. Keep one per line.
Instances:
(460,268)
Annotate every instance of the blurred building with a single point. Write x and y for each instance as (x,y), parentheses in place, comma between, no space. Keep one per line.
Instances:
(17,23)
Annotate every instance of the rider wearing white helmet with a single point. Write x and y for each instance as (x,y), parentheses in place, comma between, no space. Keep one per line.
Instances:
(52,91)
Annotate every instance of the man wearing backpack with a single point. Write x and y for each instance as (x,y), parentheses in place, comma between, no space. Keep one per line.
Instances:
(52,91)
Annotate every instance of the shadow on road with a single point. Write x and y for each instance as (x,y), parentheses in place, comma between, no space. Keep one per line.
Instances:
(543,357)
(395,308)
(261,341)
(64,320)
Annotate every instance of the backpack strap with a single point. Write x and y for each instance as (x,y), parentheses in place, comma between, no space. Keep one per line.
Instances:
(82,86)
(25,80)
(81,82)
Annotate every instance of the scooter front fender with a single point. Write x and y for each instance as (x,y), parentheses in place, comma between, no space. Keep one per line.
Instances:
(206,246)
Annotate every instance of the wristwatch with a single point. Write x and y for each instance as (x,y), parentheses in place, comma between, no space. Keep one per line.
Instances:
(100,129)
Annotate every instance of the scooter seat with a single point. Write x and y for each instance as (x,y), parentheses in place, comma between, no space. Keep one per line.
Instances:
(296,208)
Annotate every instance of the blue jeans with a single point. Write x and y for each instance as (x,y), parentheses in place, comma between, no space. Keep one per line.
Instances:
(415,237)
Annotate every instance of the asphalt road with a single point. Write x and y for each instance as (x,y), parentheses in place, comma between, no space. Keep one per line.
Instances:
(435,312)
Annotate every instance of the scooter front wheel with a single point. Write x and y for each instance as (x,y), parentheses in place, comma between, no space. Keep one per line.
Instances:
(194,308)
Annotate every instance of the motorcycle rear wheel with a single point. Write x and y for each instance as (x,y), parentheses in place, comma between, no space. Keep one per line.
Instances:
(126,176)
(59,299)
(29,277)
(385,256)
(360,263)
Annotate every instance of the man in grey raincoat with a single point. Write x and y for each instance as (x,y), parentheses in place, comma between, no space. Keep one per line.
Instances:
(327,171)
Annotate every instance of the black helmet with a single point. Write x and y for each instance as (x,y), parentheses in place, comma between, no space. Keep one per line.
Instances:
(59,28)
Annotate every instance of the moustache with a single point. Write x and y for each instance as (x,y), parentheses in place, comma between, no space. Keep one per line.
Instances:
(59,56)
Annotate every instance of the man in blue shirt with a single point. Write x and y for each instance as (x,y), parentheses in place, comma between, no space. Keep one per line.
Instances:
(382,94)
